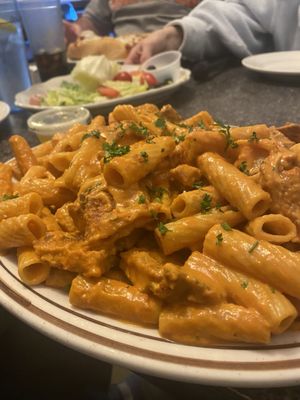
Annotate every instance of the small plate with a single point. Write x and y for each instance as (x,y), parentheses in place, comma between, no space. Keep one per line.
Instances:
(4,110)
(151,95)
(285,63)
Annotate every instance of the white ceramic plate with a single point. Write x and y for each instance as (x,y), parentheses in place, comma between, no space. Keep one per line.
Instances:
(279,63)
(151,95)
(4,110)
(142,349)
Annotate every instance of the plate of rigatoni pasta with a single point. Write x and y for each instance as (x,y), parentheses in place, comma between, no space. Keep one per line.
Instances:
(169,245)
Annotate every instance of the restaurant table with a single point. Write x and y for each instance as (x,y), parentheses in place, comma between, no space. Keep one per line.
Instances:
(234,96)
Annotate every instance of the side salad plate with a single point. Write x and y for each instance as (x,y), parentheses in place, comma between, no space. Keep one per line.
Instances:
(98,103)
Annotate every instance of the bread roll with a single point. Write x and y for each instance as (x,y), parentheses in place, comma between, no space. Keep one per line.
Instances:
(112,48)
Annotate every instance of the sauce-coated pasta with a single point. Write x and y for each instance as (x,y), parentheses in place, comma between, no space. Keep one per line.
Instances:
(188,225)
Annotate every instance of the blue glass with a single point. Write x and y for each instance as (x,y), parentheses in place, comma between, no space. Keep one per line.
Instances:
(14,72)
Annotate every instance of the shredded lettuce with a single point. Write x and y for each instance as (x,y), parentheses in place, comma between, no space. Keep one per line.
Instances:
(69,94)
(127,88)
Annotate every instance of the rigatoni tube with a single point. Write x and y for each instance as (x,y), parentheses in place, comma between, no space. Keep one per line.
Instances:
(236,187)
(198,325)
(189,203)
(30,268)
(274,265)
(187,231)
(142,158)
(275,228)
(115,298)
(20,231)
(30,203)
(244,290)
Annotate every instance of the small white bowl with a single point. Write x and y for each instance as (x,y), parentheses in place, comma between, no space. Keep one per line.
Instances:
(59,119)
(164,66)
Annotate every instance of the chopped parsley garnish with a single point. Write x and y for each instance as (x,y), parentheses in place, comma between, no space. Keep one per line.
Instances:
(94,133)
(272,289)
(244,284)
(188,127)
(162,228)
(8,196)
(160,123)
(144,156)
(243,167)
(225,130)
(205,205)
(179,138)
(114,150)
(150,140)
(201,124)
(226,226)
(197,185)
(122,129)
(140,129)
(141,199)
(219,239)
(253,247)
(157,193)
(218,207)
(91,188)
(253,138)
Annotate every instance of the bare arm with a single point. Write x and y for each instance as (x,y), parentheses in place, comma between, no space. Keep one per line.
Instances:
(167,38)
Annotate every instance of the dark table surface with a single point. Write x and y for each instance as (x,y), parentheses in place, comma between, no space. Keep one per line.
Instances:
(234,96)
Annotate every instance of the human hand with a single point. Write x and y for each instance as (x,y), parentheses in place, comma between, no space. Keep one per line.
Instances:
(167,38)
(72,31)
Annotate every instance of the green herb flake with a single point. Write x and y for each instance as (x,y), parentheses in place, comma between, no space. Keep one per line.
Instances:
(157,193)
(244,284)
(144,156)
(184,126)
(219,239)
(179,138)
(94,133)
(122,129)
(197,185)
(8,196)
(253,138)
(218,207)
(272,289)
(160,123)
(244,168)
(141,199)
(205,205)
(201,124)
(140,130)
(226,226)
(114,150)
(253,247)
(225,130)
(91,188)
(162,228)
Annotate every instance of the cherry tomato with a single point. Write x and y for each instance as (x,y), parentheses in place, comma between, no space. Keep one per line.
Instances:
(108,92)
(123,76)
(149,78)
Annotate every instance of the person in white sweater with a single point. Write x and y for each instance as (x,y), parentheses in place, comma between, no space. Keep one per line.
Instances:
(216,28)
